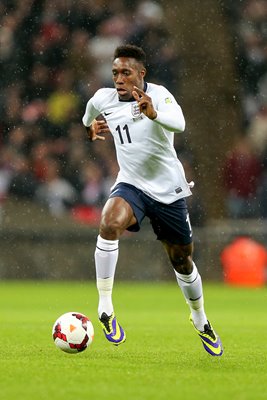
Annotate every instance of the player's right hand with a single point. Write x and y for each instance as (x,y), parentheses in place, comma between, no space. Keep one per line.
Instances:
(96,129)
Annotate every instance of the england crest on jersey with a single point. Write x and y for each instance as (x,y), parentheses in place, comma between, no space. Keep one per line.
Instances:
(135,110)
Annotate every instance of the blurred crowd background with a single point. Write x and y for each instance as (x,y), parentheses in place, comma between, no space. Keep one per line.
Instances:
(54,55)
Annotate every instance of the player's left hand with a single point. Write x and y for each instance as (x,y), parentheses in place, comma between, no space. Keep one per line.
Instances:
(144,102)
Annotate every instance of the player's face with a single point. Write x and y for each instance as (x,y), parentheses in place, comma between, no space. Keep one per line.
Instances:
(127,73)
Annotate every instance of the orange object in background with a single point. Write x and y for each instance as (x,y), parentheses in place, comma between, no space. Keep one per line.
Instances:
(244,263)
(86,215)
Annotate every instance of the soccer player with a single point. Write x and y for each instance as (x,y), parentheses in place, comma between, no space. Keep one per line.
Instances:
(142,118)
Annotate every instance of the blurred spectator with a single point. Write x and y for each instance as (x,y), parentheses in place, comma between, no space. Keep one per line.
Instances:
(63,103)
(263,187)
(249,27)
(39,83)
(6,170)
(79,58)
(257,135)
(92,192)
(152,35)
(76,156)
(102,48)
(18,139)
(23,183)
(12,108)
(39,153)
(242,173)
(257,131)
(55,193)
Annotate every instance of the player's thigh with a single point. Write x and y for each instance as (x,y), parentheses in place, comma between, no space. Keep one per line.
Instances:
(171,223)
(117,214)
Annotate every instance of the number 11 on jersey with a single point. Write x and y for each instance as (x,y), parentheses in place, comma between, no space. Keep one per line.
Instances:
(125,131)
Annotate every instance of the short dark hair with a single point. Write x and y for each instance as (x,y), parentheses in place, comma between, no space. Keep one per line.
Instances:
(132,51)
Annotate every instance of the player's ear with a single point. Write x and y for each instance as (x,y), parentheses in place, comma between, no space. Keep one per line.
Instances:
(143,72)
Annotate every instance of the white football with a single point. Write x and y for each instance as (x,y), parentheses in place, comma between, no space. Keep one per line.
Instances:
(73,332)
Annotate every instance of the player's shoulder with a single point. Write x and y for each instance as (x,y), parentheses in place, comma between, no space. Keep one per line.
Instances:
(157,90)
(160,93)
(104,92)
(104,97)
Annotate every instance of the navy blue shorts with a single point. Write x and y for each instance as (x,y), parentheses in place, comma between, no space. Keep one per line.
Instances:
(170,222)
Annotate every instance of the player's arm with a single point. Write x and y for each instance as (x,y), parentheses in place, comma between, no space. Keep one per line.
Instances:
(168,113)
(94,127)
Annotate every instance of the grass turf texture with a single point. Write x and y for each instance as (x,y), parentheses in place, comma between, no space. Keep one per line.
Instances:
(162,357)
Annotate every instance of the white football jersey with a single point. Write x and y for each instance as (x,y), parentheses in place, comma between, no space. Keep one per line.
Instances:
(145,152)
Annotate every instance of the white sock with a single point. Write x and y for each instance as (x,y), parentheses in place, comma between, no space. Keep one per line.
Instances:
(106,256)
(191,286)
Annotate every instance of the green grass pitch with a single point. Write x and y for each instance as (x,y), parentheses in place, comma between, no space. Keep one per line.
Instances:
(162,357)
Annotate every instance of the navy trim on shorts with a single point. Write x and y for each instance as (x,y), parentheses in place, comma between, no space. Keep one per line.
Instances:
(170,222)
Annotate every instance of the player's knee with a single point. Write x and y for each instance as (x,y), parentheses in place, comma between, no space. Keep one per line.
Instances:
(110,229)
(182,263)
